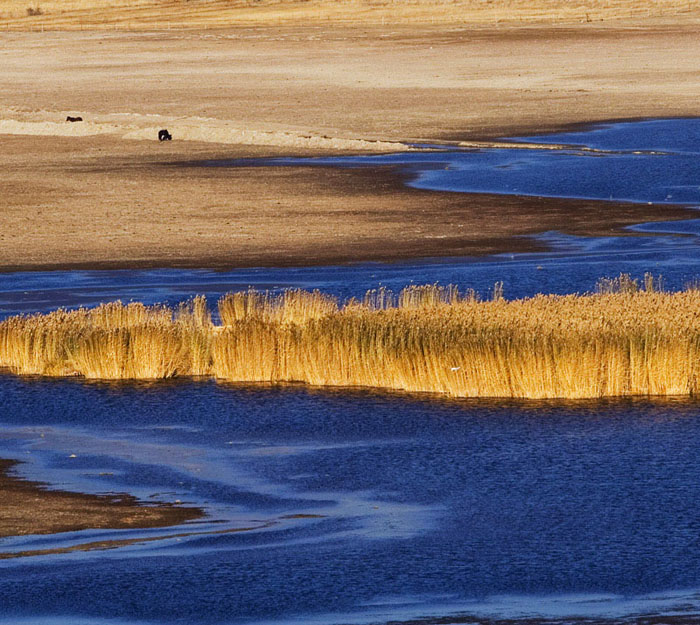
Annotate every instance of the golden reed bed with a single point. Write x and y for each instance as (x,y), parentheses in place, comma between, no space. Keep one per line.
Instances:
(624,340)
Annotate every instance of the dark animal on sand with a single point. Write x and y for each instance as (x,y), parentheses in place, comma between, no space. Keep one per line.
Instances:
(74,119)
(164,135)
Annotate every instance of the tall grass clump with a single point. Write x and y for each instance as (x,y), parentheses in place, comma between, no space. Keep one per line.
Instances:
(112,341)
(626,339)
(193,320)
(291,306)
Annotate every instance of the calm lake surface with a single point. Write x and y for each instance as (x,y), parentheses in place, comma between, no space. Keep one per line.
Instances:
(366,507)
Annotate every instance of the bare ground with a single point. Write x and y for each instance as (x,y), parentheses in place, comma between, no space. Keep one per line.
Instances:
(138,211)
(106,193)
(29,508)
(150,14)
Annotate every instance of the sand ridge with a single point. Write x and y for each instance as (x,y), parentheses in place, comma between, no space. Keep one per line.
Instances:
(134,126)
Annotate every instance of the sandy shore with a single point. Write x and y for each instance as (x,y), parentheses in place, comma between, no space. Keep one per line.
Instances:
(146,209)
(107,194)
(28,508)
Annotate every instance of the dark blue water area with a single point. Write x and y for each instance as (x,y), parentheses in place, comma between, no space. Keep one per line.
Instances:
(422,507)
(367,507)
(677,135)
(654,161)
(669,249)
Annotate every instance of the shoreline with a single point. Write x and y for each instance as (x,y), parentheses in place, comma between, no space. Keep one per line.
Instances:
(105,201)
(269,216)
(30,508)
(300,259)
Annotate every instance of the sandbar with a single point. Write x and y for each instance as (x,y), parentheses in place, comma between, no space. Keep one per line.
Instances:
(31,508)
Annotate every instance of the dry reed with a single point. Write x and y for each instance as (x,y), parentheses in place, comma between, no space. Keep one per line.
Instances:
(627,339)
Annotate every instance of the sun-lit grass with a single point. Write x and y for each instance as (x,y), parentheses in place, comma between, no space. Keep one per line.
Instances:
(626,339)
(149,14)
(291,306)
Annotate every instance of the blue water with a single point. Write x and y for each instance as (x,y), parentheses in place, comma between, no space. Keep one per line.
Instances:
(655,161)
(418,500)
(679,135)
(414,508)
(574,266)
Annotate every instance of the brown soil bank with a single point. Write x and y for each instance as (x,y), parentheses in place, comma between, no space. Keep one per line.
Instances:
(108,194)
(28,508)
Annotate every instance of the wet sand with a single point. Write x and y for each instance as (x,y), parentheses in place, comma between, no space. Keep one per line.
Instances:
(121,199)
(90,208)
(29,508)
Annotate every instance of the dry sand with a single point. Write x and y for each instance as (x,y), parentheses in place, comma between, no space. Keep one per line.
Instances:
(149,14)
(105,193)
